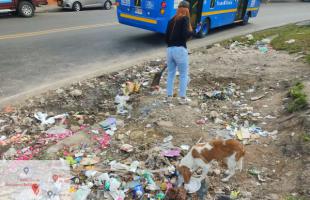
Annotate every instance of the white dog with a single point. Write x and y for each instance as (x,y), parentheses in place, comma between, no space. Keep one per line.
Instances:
(229,152)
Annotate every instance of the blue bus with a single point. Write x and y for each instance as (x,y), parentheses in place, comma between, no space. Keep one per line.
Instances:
(154,15)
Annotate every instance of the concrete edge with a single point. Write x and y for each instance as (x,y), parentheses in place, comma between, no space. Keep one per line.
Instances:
(115,66)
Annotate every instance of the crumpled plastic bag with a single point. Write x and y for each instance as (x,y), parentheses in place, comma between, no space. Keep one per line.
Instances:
(122,104)
(82,193)
(109,123)
(127,148)
(193,185)
(171,153)
(119,166)
(42,117)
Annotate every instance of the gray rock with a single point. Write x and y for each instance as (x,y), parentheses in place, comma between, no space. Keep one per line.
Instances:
(120,123)
(27,121)
(76,93)
(60,91)
(167,124)
(214,115)
(273,197)
(120,136)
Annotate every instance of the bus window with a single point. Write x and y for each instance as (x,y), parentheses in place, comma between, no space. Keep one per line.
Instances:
(138,3)
(212,3)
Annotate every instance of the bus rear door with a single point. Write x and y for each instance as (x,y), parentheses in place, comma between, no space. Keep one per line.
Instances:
(195,11)
(241,9)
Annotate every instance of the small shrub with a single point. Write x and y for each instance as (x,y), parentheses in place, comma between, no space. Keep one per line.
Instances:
(299,98)
(296,90)
(306,138)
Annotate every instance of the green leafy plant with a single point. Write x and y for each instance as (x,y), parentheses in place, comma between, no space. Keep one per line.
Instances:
(306,138)
(299,98)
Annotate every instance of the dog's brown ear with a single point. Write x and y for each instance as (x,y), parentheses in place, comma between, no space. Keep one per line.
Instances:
(185,172)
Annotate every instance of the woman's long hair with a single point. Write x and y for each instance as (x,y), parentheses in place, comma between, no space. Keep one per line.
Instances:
(182,12)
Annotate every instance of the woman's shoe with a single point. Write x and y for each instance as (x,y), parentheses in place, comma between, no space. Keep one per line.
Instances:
(168,99)
(184,101)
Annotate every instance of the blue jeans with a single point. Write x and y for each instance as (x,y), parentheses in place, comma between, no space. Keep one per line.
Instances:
(177,58)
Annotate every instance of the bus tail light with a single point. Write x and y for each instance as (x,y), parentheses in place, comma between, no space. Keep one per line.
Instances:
(117,3)
(163,4)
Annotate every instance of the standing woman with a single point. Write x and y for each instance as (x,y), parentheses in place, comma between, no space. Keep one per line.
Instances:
(179,30)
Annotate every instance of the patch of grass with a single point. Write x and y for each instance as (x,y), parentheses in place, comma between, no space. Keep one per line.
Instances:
(280,35)
(296,90)
(299,98)
(299,33)
(306,138)
(292,198)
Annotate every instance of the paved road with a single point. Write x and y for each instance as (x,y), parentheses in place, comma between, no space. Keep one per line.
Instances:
(55,46)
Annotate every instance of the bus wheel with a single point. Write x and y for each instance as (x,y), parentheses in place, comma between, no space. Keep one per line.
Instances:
(246,18)
(205,27)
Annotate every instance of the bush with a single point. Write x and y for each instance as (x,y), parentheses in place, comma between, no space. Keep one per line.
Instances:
(299,98)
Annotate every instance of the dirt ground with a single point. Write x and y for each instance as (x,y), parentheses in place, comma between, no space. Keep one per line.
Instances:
(257,85)
(281,158)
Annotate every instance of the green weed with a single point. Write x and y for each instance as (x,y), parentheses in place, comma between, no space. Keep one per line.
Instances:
(299,98)
(292,198)
(306,138)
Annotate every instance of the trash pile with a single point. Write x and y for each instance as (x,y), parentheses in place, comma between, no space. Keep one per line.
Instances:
(85,147)
(262,45)
(106,166)
(223,94)
(132,179)
(248,134)
(122,141)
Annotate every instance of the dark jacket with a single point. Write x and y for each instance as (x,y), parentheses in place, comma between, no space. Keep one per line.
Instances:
(177,32)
